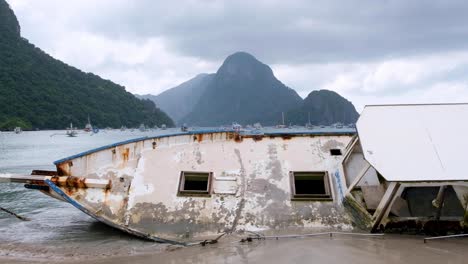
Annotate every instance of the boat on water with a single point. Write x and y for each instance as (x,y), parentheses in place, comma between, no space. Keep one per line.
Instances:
(71,131)
(257,126)
(236,127)
(282,125)
(17,130)
(404,170)
(88,126)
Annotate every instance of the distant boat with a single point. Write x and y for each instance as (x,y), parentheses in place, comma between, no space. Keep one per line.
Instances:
(123,128)
(88,126)
(282,125)
(184,128)
(236,126)
(142,128)
(17,130)
(309,124)
(95,130)
(163,126)
(71,131)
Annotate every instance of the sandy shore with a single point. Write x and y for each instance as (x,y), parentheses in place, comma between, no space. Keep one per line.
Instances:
(339,249)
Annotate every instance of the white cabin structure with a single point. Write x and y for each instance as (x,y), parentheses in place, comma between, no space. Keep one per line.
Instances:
(406,169)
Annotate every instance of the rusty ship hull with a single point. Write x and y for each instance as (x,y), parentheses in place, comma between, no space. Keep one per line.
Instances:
(135,186)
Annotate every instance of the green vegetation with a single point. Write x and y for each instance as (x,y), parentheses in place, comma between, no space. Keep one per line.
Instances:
(325,108)
(11,123)
(38,91)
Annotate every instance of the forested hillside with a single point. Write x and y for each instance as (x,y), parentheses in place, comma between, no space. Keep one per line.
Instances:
(38,91)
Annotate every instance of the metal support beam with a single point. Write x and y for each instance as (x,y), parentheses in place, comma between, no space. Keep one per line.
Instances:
(358,178)
(383,209)
(438,202)
(71,181)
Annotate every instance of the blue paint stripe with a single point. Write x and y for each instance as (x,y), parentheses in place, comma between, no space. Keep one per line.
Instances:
(98,149)
(344,131)
(136,140)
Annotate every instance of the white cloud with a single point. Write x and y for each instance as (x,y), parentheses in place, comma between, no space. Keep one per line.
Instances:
(392,52)
(431,78)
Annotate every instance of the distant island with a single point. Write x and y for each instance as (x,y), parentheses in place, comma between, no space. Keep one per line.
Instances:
(245,90)
(40,92)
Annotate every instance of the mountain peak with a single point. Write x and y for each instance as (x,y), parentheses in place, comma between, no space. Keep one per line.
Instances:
(325,108)
(242,56)
(9,24)
(243,64)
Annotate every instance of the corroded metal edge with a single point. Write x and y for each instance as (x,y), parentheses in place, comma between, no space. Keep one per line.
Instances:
(195,132)
(76,204)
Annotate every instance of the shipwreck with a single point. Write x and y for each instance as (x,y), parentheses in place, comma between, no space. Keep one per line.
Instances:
(401,169)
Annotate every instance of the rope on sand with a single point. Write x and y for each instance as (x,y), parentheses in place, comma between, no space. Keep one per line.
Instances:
(15,215)
(263,237)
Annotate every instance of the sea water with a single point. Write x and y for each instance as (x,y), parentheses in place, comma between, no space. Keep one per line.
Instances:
(56,228)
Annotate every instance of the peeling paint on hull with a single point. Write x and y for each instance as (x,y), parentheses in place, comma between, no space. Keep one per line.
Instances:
(251,180)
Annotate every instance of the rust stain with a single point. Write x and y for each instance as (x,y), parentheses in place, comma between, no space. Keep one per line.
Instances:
(37,182)
(198,137)
(76,182)
(106,197)
(234,136)
(230,136)
(70,182)
(69,191)
(125,154)
(44,172)
(257,137)
(283,136)
(124,202)
(63,169)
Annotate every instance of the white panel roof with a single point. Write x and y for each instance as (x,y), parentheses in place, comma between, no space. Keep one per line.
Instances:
(416,142)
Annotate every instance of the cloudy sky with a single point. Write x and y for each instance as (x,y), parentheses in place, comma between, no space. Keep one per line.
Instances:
(371,52)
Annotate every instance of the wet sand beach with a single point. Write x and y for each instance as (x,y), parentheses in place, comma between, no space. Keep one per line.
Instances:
(339,249)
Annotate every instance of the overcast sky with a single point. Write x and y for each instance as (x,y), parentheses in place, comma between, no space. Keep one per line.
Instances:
(371,52)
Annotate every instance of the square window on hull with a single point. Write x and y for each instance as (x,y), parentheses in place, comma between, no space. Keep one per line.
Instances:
(195,183)
(310,186)
(335,152)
